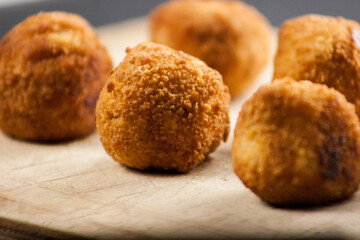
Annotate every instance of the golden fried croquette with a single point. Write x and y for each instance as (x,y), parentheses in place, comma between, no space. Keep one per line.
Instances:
(297,143)
(229,36)
(52,68)
(323,50)
(162,109)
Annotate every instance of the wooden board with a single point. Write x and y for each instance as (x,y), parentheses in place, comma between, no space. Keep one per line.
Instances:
(63,190)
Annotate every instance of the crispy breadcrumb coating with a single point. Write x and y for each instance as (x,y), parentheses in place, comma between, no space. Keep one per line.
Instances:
(162,109)
(229,36)
(297,143)
(52,68)
(323,50)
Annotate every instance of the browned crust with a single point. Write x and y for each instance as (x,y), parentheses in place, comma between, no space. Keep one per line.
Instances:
(162,109)
(229,36)
(297,143)
(323,50)
(52,68)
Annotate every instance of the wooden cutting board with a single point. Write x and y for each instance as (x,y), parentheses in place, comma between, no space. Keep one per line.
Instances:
(75,190)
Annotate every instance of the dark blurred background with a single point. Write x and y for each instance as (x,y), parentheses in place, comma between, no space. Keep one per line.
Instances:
(101,12)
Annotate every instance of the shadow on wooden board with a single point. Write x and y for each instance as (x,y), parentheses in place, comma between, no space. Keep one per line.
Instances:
(11,229)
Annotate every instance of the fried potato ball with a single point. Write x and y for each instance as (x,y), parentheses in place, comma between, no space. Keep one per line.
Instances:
(52,69)
(323,50)
(229,36)
(162,109)
(297,143)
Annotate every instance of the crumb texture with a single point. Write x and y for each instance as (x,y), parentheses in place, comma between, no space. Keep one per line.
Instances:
(52,68)
(162,109)
(297,143)
(323,50)
(229,36)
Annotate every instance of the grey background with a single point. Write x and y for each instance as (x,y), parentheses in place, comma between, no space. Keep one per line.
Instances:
(101,12)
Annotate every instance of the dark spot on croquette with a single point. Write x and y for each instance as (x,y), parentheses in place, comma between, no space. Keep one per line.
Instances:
(329,159)
(91,101)
(110,86)
(347,172)
(342,140)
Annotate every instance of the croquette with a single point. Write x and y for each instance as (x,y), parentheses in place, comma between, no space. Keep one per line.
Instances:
(162,109)
(229,36)
(296,143)
(323,50)
(52,69)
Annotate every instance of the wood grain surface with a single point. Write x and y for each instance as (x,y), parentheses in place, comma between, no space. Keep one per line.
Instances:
(75,190)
